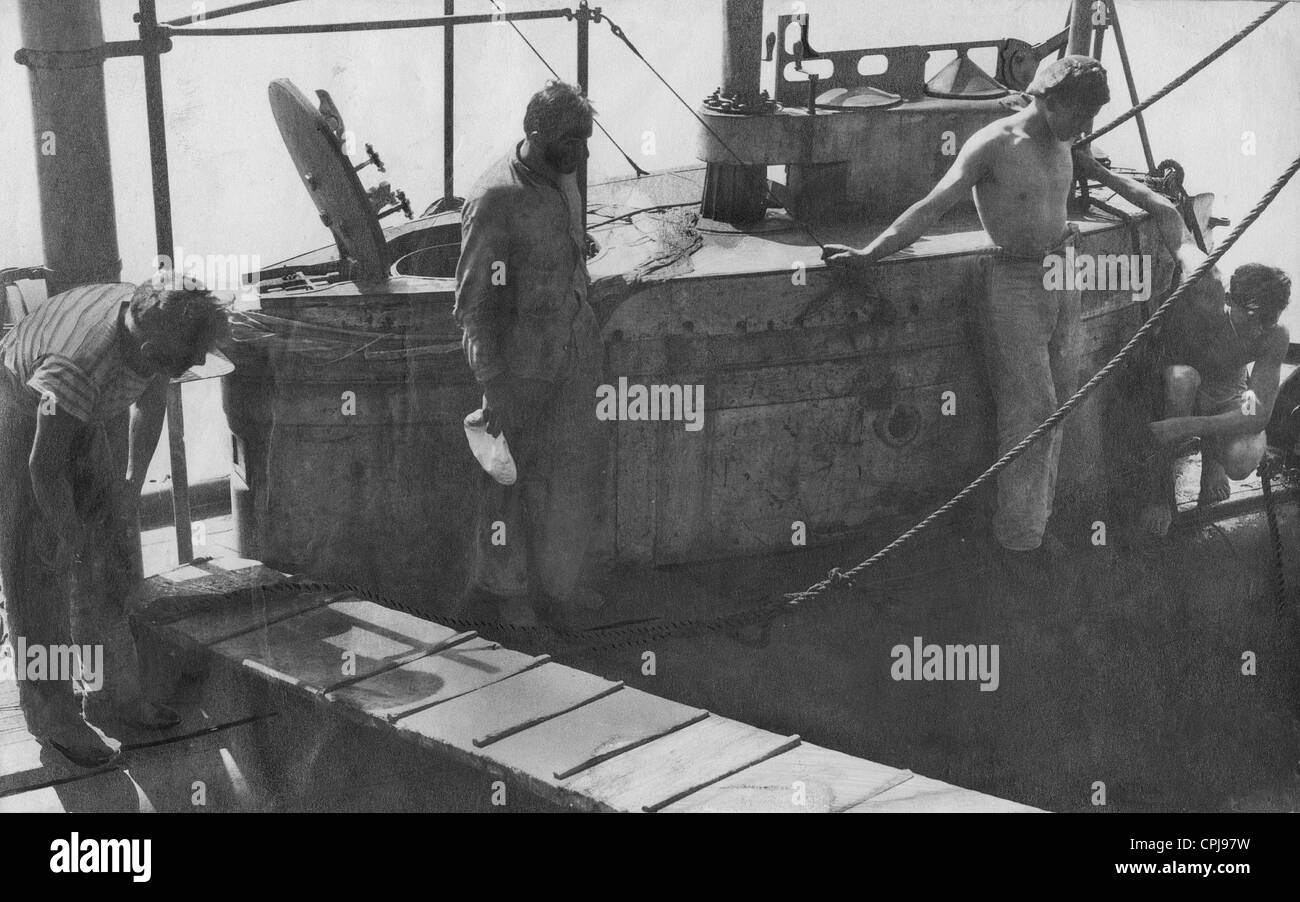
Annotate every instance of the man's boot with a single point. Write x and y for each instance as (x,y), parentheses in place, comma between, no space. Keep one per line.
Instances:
(80,744)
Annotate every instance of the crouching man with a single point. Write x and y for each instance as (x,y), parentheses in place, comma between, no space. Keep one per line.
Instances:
(1206,348)
(69,494)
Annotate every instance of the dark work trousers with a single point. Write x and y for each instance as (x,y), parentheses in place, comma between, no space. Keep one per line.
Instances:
(47,603)
(548,515)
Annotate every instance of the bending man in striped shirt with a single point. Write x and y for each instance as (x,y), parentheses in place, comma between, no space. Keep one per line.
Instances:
(69,494)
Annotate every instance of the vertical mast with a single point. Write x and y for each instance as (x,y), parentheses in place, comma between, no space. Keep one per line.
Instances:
(742,36)
(448,106)
(584,80)
(1080,41)
(735,192)
(63,42)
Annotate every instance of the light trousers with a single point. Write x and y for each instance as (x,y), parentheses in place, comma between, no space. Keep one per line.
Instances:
(1032,346)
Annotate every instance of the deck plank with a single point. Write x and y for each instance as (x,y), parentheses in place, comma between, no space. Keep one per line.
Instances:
(345,640)
(434,680)
(559,748)
(478,718)
(808,779)
(1187,487)
(923,795)
(219,619)
(659,772)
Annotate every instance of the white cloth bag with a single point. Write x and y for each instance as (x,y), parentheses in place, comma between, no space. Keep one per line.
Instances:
(492,452)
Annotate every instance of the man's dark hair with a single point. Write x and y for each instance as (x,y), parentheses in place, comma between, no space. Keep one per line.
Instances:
(1077,81)
(194,315)
(1267,286)
(556,109)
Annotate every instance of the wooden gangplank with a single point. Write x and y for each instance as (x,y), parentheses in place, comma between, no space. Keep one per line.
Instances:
(569,737)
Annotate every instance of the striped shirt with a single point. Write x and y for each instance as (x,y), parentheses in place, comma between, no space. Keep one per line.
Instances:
(68,349)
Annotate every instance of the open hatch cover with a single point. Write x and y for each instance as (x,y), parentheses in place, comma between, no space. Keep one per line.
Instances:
(332,182)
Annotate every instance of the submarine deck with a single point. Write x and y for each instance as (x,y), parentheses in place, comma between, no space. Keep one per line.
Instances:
(774,243)
(617,218)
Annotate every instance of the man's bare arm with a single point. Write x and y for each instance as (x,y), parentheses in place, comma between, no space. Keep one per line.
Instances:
(1174,234)
(1257,404)
(971,165)
(48,468)
(1173,231)
(146,426)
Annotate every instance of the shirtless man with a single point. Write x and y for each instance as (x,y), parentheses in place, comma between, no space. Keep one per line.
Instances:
(1020,170)
(1205,349)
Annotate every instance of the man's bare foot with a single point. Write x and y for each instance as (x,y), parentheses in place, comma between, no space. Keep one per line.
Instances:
(1214,482)
(1154,519)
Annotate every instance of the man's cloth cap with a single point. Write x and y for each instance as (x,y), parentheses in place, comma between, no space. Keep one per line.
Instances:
(1049,80)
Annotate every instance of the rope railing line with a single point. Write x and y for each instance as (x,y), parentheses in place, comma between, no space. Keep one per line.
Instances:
(1183,79)
(1064,410)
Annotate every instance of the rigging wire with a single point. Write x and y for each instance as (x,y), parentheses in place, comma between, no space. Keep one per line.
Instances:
(622,36)
(1182,79)
(631,162)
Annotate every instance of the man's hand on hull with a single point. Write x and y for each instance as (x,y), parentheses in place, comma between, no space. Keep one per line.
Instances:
(843,255)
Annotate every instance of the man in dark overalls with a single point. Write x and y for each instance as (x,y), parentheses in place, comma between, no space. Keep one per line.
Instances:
(533,344)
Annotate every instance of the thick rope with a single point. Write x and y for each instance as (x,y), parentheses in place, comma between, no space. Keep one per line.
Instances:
(1182,79)
(1055,419)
